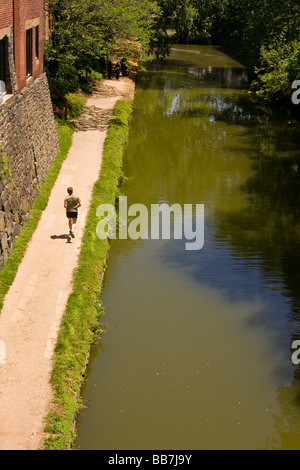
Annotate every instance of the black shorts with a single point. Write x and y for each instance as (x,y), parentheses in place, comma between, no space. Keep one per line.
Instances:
(72,215)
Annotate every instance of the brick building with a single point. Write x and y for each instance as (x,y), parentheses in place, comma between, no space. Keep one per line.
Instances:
(21,42)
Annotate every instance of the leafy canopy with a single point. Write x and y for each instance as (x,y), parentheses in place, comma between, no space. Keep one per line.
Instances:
(84,32)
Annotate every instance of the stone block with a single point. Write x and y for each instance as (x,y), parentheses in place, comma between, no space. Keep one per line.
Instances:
(6,207)
(2,221)
(9,228)
(3,241)
(17,229)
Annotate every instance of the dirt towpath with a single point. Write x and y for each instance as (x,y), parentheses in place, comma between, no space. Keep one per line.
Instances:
(35,303)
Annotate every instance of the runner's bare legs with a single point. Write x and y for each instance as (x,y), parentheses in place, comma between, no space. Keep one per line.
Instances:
(72,225)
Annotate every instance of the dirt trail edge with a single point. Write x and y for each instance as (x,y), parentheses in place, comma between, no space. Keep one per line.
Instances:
(35,303)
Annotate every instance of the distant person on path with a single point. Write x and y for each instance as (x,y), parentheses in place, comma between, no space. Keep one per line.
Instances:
(123,67)
(117,70)
(71,204)
(109,69)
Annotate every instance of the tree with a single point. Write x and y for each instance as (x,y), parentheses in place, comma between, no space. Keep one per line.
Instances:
(266,36)
(84,32)
(192,20)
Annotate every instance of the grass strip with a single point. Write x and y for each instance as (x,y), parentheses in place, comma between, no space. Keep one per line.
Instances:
(81,320)
(7,275)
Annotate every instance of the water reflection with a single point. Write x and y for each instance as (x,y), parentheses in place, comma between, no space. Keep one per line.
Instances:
(231,78)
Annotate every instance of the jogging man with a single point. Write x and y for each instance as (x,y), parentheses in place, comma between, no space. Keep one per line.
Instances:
(71,204)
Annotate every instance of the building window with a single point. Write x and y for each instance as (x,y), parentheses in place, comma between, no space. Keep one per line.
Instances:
(28,52)
(37,42)
(4,66)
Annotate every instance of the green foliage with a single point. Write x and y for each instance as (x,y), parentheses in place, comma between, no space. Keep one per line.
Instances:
(76,104)
(94,76)
(83,33)
(266,35)
(192,20)
(279,67)
(61,70)
(184,19)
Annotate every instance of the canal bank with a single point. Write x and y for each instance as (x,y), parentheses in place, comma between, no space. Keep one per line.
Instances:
(34,307)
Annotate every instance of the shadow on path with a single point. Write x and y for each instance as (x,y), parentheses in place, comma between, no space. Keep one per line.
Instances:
(64,236)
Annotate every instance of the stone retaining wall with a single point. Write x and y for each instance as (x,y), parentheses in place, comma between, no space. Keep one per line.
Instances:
(28,146)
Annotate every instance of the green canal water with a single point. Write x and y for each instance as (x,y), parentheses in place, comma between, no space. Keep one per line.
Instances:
(197,354)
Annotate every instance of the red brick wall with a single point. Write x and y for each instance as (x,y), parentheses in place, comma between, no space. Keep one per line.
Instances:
(24,11)
(6,14)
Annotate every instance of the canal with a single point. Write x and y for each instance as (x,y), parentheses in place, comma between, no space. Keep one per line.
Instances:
(197,353)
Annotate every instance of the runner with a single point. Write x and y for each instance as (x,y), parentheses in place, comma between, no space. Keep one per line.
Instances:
(71,204)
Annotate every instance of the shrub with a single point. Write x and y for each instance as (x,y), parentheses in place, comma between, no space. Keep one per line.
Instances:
(76,104)
(279,68)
